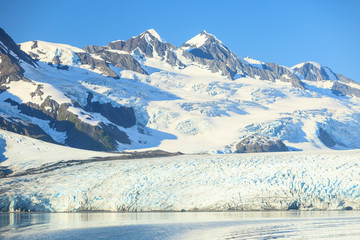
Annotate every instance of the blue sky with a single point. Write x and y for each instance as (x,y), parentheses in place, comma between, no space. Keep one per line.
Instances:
(284,32)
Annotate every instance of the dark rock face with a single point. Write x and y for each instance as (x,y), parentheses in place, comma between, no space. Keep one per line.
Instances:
(123,61)
(24,128)
(86,59)
(341,89)
(116,45)
(10,69)
(344,79)
(85,136)
(122,116)
(10,55)
(275,71)
(257,143)
(215,55)
(93,48)
(212,49)
(313,73)
(145,42)
(326,138)
(10,48)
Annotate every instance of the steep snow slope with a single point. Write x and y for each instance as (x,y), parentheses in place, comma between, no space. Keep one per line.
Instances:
(47,51)
(199,40)
(307,181)
(21,152)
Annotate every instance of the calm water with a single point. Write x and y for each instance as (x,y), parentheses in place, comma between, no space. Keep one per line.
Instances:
(187,225)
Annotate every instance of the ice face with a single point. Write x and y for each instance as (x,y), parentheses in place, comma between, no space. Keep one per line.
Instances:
(316,181)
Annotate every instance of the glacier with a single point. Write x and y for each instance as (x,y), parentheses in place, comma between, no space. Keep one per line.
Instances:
(321,180)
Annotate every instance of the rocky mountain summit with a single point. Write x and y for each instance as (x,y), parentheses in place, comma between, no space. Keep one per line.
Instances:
(220,58)
(146,93)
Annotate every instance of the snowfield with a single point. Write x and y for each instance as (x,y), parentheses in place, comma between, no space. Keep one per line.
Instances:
(319,180)
(192,109)
(21,152)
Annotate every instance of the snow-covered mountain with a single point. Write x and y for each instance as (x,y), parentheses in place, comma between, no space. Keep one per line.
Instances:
(314,71)
(147,93)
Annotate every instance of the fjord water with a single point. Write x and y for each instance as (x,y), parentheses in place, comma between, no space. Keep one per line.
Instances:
(182,225)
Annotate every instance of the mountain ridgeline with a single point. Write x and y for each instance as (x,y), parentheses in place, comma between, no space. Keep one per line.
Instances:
(100,97)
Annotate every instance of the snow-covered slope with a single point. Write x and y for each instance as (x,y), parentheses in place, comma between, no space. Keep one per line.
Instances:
(64,56)
(21,152)
(200,40)
(281,181)
(254,62)
(47,51)
(175,99)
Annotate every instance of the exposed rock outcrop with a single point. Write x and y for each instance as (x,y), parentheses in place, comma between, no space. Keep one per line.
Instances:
(10,48)
(256,143)
(94,63)
(93,48)
(122,116)
(10,55)
(121,60)
(342,89)
(344,79)
(150,45)
(24,128)
(314,72)
(10,70)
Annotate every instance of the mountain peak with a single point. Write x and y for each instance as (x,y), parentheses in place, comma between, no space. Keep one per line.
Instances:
(201,39)
(314,71)
(315,64)
(153,33)
(209,35)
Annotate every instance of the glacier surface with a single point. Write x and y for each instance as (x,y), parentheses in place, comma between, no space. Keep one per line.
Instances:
(270,181)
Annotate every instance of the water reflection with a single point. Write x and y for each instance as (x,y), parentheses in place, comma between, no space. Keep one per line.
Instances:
(186,225)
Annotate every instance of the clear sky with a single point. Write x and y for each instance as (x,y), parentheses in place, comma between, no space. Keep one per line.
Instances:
(286,32)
